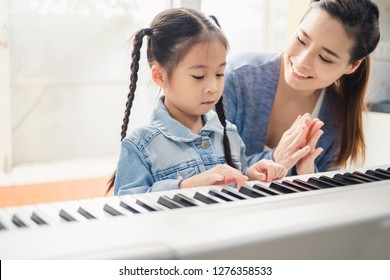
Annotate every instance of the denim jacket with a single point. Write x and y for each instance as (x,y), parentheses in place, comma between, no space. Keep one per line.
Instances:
(162,153)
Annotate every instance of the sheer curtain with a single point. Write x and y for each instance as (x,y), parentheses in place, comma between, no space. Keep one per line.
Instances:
(69,75)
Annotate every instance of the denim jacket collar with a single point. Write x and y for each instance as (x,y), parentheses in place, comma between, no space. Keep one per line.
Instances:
(174,130)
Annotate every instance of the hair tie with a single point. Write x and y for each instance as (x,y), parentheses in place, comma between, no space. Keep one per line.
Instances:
(148,31)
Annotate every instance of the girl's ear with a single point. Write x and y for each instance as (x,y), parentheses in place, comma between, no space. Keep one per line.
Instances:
(158,75)
(354,67)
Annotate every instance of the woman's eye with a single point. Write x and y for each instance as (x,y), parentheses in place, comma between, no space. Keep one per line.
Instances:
(220,75)
(300,41)
(197,77)
(325,60)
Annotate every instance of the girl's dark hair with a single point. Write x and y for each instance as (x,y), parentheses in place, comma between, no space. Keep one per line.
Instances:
(360,19)
(171,35)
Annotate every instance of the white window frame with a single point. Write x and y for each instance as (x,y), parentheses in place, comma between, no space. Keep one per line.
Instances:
(5,92)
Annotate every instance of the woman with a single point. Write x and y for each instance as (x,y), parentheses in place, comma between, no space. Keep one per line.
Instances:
(275,99)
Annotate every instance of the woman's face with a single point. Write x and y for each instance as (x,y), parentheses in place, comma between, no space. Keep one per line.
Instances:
(318,53)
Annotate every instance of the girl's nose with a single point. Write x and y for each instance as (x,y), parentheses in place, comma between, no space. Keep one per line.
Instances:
(212,86)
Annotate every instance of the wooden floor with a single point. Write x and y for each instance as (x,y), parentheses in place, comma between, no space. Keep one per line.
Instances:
(52,192)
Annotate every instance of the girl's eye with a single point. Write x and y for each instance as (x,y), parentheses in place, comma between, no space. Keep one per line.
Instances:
(197,77)
(325,60)
(300,41)
(220,75)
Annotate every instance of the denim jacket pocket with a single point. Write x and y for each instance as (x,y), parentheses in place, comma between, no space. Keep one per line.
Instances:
(180,171)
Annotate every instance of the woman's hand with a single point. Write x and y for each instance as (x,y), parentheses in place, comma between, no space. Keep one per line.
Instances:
(221,174)
(293,144)
(266,171)
(306,164)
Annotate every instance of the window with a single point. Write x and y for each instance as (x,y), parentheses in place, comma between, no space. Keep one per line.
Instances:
(69,63)
(69,68)
(251,25)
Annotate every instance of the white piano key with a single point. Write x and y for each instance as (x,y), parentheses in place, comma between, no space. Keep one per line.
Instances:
(51,213)
(235,191)
(95,207)
(114,202)
(222,194)
(153,197)
(69,210)
(32,210)
(43,215)
(190,194)
(128,199)
(21,215)
(2,227)
(149,202)
(99,205)
(206,193)
(76,205)
(6,220)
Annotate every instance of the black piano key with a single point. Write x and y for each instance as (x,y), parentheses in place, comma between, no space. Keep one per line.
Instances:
(251,192)
(304,183)
(146,206)
(282,188)
(128,207)
(321,184)
(355,176)
(85,213)
(169,203)
(184,200)
(346,180)
(66,216)
(221,195)
(368,176)
(38,220)
(18,222)
(377,174)
(234,193)
(2,227)
(296,185)
(332,181)
(348,175)
(383,171)
(109,209)
(204,198)
(266,190)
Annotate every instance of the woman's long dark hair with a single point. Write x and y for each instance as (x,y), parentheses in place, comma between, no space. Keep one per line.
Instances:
(360,19)
(171,35)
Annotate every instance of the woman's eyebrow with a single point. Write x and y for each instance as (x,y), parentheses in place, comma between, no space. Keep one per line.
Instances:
(325,49)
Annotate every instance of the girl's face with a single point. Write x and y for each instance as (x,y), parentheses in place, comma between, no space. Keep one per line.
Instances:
(318,53)
(197,82)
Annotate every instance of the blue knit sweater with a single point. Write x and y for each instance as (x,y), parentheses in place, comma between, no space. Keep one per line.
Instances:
(250,86)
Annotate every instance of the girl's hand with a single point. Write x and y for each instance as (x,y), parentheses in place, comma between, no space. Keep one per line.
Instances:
(266,171)
(221,174)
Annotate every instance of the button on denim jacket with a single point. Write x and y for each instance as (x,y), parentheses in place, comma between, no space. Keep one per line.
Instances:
(162,153)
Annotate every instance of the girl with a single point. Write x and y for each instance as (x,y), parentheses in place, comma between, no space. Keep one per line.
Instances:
(324,71)
(186,144)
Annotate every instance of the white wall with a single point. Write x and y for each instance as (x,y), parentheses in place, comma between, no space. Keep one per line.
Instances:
(377,133)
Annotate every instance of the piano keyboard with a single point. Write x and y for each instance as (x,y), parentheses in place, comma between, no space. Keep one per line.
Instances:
(261,220)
